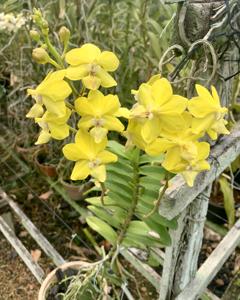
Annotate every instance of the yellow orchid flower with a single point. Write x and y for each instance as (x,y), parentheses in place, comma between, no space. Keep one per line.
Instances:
(169,139)
(150,82)
(188,160)
(133,135)
(99,114)
(159,107)
(51,93)
(208,113)
(53,127)
(90,65)
(90,157)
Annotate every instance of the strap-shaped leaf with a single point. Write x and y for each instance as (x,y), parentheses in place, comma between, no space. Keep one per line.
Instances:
(124,187)
(111,175)
(129,242)
(150,160)
(102,228)
(161,230)
(145,240)
(117,149)
(150,183)
(153,171)
(108,201)
(119,199)
(109,214)
(115,190)
(143,211)
(120,167)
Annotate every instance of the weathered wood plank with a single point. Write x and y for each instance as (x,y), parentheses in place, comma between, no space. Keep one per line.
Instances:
(2,203)
(33,231)
(21,250)
(178,196)
(144,269)
(212,265)
(180,262)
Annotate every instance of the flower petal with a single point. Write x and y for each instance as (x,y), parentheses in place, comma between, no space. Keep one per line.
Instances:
(99,173)
(151,130)
(98,133)
(215,96)
(57,108)
(108,60)
(91,82)
(162,91)
(77,73)
(84,55)
(107,157)
(172,123)
(106,79)
(201,107)
(123,112)
(112,123)
(88,145)
(160,145)
(202,124)
(203,93)
(175,105)
(85,122)
(59,132)
(74,151)
(83,107)
(189,177)
(36,111)
(203,150)
(144,96)
(81,170)
(57,90)
(44,137)
(173,161)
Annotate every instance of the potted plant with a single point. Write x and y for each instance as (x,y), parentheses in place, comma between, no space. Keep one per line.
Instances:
(75,190)
(163,135)
(45,163)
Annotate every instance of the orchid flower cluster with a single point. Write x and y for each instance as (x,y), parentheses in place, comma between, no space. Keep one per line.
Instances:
(159,122)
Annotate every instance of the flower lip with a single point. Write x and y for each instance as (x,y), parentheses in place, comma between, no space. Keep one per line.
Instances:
(94,163)
(38,99)
(98,122)
(93,69)
(149,115)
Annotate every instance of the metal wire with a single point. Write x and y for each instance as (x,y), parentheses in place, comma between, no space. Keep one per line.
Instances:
(50,210)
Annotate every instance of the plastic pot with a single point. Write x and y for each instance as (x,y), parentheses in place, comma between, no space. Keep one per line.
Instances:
(76,192)
(51,277)
(46,168)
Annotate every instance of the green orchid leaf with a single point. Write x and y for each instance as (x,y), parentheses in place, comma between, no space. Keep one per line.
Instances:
(107,215)
(229,203)
(102,228)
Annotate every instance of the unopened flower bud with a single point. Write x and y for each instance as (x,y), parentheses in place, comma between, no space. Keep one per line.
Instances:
(45,24)
(35,36)
(40,56)
(37,16)
(64,34)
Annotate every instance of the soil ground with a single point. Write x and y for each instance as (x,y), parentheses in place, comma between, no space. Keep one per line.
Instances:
(44,207)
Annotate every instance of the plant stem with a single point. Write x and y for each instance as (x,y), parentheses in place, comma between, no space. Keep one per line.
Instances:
(92,240)
(73,129)
(132,209)
(53,51)
(157,202)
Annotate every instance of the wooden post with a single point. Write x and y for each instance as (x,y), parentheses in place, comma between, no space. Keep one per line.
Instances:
(212,265)
(195,22)
(180,264)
